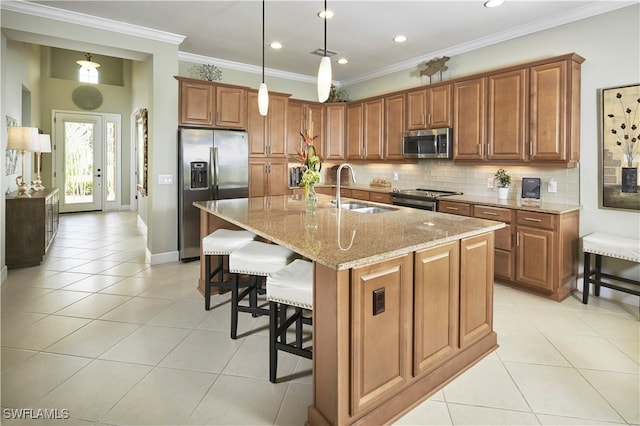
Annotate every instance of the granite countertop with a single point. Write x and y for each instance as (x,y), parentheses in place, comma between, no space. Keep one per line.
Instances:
(517,204)
(348,239)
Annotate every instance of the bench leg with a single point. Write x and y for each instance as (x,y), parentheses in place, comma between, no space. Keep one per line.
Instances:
(596,287)
(587,278)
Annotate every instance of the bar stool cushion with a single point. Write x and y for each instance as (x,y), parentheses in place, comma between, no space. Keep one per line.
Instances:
(224,241)
(292,285)
(612,246)
(258,258)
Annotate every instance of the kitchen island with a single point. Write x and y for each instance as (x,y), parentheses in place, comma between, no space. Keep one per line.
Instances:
(403,298)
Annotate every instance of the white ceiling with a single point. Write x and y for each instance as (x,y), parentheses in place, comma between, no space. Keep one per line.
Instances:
(228,33)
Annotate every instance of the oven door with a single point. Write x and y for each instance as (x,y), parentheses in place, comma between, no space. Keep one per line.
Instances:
(412,202)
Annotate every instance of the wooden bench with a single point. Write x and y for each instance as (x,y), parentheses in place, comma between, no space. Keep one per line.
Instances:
(600,244)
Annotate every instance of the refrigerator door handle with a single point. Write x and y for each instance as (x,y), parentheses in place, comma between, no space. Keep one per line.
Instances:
(214,175)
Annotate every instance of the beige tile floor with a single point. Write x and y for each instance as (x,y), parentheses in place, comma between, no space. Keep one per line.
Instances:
(97,333)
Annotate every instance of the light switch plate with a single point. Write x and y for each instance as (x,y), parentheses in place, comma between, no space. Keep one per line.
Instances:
(165,179)
(490,182)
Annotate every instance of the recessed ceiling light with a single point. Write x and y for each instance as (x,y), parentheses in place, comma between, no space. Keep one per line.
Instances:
(493,3)
(328,14)
(343,61)
(400,38)
(276,45)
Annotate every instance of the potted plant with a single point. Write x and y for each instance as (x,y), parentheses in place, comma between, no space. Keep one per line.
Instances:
(504,180)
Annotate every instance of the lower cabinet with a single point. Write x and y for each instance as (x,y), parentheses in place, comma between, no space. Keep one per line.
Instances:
(31,225)
(267,177)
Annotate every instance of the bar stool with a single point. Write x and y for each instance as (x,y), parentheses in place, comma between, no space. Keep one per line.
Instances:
(256,259)
(221,243)
(291,286)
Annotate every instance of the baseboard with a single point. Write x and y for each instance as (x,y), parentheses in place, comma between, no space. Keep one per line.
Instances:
(158,258)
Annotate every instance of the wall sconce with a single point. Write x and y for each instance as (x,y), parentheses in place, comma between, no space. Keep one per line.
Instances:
(23,139)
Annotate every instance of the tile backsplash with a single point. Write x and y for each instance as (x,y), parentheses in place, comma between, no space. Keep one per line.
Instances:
(471,180)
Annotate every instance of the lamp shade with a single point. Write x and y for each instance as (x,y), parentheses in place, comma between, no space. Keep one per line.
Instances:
(324,79)
(45,143)
(263,99)
(23,138)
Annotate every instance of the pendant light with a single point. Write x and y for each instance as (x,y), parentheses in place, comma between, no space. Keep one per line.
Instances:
(263,93)
(324,71)
(88,72)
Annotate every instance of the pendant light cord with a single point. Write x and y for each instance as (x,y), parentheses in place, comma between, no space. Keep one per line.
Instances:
(325,27)
(263,41)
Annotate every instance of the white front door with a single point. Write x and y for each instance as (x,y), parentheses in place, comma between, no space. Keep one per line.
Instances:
(79,170)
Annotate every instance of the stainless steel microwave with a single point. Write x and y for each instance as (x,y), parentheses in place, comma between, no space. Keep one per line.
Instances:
(429,143)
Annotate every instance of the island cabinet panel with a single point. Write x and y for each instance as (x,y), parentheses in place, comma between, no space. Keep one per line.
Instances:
(476,288)
(469,119)
(507,123)
(435,306)
(381,311)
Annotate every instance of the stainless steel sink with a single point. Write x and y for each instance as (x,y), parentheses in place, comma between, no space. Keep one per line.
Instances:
(374,209)
(354,206)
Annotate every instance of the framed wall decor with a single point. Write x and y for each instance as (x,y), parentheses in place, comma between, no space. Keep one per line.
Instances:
(620,147)
(11,155)
(142,166)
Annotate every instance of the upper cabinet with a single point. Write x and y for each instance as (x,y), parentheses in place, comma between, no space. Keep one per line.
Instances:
(394,109)
(335,132)
(267,134)
(208,104)
(365,136)
(429,108)
(304,116)
(528,114)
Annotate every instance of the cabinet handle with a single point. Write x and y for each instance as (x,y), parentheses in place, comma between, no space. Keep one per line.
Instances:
(531,149)
(490,213)
(429,118)
(452,208)
(210,116)
(531,219)
(489,149)
(517,239)
(479,149)
(421,118)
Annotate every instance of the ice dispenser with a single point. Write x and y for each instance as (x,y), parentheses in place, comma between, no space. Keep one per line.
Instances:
(199,174)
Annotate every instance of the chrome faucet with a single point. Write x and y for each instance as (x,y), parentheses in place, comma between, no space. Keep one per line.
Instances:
(353,177)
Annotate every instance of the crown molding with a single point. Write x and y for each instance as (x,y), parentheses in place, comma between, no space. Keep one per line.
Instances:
(253,69)
(48,12)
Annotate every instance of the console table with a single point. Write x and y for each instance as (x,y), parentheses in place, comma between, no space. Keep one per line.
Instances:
(31,225)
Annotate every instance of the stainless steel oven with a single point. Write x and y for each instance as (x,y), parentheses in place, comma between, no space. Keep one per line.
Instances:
(424,199)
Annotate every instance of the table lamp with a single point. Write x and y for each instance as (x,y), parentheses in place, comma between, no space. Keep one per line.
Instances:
(45,146)
(23,139)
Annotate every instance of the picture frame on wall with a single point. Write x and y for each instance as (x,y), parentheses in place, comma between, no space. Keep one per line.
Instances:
(620,147)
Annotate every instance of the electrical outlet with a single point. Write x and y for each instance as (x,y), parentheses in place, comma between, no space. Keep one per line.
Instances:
(490,183)
(553,185)
(395,176)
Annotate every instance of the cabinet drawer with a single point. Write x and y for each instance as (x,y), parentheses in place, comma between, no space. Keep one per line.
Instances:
(452,207)
(380,197)
(503,238)
(538,220)
(492,213)
(345,192)
(360,195)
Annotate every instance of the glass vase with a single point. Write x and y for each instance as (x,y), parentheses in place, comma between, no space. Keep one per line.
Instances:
(310,198)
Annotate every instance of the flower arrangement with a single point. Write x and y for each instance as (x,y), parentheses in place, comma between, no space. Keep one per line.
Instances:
(503,178)
(626,133)
(308,157)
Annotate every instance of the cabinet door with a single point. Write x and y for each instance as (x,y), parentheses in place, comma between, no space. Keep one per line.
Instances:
(476,287)
(380,332)
(314,114)
(549,99)
(535,254)
(277,125)
(355,128)
(294,127)
(256,127)
(439,107)
(394,126)
(469,119)
(257,178)
(336,117)
(373,115)
(416,109)
(435,306)
(196,103)
(277,178)
(507,115)
(231,107)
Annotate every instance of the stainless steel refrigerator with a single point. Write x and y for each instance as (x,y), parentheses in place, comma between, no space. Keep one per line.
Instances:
(212,165)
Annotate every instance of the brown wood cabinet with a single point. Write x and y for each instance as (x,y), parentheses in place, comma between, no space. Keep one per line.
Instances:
(536,250)
(429,107)
(208,104)
(355,130)
(303,116)
(381,365)
(267,134)
(532,114)
(335,132)
(393,126)
(267,177)
(31,226)
(469,119)
(366,143)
